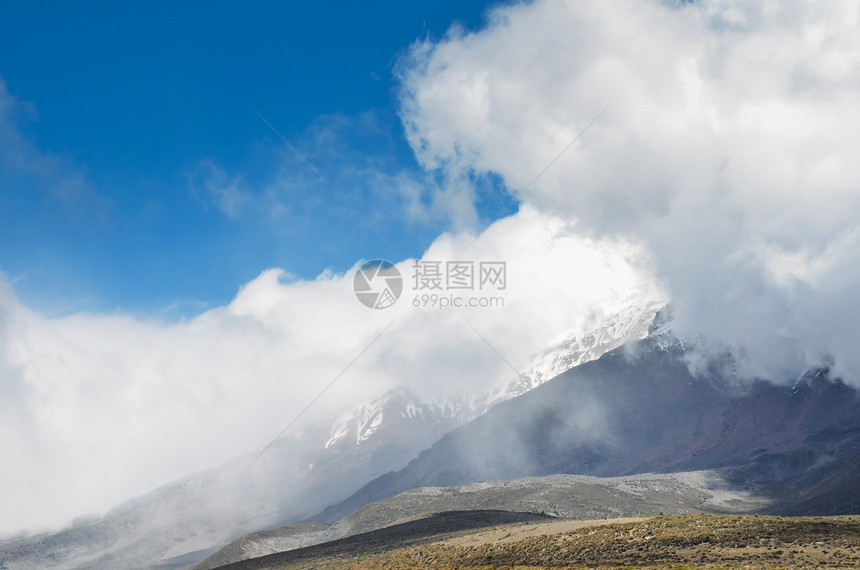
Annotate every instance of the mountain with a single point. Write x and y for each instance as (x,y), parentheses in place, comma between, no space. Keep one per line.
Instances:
(634,432)
(298,475)
(639,409)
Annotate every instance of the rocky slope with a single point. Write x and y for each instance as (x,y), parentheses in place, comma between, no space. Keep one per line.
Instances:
(566,496)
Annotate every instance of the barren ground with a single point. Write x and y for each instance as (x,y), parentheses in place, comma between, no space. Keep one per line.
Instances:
(687,541)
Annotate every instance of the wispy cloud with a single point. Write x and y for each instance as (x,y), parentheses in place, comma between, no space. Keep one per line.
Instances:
(214,186)
(26,169)
(346,168)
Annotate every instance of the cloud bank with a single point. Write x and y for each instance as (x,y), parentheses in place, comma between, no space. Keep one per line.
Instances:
(99,408)
(727,149)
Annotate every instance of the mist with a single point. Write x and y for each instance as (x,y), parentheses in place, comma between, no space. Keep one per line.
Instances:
(100,408)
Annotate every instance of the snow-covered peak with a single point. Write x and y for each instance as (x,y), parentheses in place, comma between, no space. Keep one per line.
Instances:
(359,423)
(630,324)
(399,406)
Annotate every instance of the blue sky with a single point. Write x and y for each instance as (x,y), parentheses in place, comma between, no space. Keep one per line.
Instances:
(138,177)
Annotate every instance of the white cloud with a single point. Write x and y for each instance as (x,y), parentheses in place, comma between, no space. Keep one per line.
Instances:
(727,149)
(98,408)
